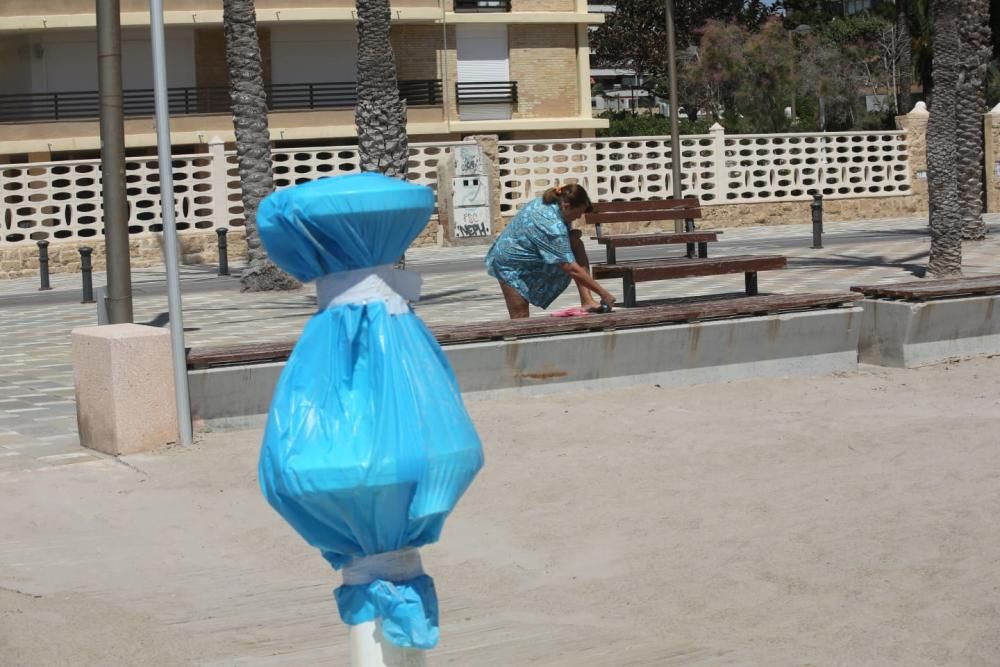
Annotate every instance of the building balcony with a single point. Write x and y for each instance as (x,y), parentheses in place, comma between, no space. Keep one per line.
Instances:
(486,92)
(205,100)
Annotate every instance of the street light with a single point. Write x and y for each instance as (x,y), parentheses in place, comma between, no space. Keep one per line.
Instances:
(675,141)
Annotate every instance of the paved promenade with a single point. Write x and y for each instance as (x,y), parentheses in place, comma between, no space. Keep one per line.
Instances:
(37,414)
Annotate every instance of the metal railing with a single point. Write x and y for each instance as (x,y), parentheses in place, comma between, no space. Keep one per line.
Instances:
(482,5)
(486,92)
(192,100)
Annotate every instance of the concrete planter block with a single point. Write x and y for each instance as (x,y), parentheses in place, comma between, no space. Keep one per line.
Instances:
(124,388)
(808,343)
(905,335)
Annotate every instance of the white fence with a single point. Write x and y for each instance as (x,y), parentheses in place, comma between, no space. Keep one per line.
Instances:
(717,168)
(61,200)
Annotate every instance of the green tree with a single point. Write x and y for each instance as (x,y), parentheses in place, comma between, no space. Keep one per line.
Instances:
(253,142)
(634,36)
(942,158)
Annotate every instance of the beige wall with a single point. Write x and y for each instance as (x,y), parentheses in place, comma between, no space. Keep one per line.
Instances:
(544,64)
(200,248)
(543,6)
(45,7)
(992,126)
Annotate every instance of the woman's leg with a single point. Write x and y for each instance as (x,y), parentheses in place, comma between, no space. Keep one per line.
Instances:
(587,300)
(517,305)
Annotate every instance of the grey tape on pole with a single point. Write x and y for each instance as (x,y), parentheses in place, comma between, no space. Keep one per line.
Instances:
(392,565)
(397,289)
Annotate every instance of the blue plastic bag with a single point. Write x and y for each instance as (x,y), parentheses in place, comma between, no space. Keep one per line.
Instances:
(368,446)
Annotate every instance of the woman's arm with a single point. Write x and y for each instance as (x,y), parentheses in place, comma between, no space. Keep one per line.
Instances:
(582,276)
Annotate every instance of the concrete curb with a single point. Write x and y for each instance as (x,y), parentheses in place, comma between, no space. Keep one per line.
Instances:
(807,343)
(906,335)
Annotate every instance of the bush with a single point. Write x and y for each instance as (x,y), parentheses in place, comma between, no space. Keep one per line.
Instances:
(628,124)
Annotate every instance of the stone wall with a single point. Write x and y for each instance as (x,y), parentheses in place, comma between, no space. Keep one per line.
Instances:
(991,124)
(18,261)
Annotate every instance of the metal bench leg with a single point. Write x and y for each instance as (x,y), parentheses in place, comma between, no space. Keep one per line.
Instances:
(690,250)
(628,286)
(610,249)
(751,280)
(703,250)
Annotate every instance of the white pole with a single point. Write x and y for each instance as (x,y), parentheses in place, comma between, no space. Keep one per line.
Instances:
(368,647)
(169,223)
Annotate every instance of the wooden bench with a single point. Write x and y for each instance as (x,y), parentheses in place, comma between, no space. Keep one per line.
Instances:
(666,269)
(925,290)
(653,210)
(694,311)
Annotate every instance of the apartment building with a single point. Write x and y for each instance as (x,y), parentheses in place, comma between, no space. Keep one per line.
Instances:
(517,68)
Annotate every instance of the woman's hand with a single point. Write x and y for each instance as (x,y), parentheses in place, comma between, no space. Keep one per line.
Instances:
(583,277)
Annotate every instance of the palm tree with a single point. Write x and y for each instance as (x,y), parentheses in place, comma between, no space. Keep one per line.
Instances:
(253,141)
(976,54)
(380,115)
(942,159)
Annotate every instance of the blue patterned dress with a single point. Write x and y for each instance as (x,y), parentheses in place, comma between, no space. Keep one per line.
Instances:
(528,253)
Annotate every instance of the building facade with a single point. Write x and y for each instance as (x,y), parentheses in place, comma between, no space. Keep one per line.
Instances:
(516,68)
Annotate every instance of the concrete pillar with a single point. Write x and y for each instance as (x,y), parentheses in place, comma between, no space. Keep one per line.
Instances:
(124,388)
(915,126)
(220,182)
(991,127)
(489,144)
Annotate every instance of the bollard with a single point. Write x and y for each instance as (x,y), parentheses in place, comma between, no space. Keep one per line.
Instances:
(223,251)
(817,220)
(43,265)
(87,272)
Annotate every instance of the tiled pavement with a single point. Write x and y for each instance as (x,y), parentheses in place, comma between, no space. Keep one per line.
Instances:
(37,414)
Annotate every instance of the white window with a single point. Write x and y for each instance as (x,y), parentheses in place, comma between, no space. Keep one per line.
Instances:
(482,59)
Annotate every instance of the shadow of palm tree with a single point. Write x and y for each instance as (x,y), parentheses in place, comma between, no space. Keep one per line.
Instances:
(871,261)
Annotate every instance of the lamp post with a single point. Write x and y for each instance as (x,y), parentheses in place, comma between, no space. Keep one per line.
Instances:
(799,30)
(675,140)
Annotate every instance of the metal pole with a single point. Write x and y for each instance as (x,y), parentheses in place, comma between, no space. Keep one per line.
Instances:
(109,69)
(817,220)
(43,265)
(675,139)
(223,251)
(87,274)
(169,223)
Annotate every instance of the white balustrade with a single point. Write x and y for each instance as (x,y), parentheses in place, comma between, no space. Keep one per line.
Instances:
(61,200)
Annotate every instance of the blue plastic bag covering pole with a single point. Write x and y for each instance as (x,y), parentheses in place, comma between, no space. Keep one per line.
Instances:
(368,446)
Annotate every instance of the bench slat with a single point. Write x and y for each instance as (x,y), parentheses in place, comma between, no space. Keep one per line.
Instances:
(646,205)
(651,316)
(921,290)
(208,357)
(627,240)
(641,216)
(644,270)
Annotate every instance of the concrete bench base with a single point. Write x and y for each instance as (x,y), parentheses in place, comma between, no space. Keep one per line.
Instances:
(905,334)
(806,343)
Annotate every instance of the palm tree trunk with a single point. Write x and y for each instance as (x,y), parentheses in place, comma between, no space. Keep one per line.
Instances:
(942,159)
(976,53)
(380,114)
(253,141)
(905,58)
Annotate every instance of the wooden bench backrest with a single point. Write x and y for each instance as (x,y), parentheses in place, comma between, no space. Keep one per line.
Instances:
(648,210)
